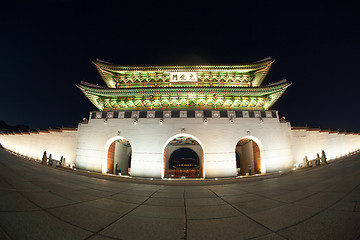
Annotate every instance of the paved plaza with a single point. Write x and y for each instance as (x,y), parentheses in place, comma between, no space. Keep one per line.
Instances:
(40,202)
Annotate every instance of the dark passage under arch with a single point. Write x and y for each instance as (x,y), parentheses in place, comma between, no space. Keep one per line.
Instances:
(184,159)
(184,162)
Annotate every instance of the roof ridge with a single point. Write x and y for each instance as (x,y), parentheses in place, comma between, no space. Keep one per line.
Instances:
(260,62)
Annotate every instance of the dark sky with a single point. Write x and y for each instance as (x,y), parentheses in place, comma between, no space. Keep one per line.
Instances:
(47,47)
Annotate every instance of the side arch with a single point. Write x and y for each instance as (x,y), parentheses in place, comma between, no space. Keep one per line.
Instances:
(111,144)
(261,150)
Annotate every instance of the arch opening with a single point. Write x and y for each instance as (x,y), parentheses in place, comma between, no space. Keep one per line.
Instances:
(183,157)
(248,157)
(119,157)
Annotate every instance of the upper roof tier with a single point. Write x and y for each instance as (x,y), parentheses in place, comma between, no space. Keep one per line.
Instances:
(245,75)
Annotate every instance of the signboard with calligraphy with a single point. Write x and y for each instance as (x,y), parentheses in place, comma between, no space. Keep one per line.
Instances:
(183,77)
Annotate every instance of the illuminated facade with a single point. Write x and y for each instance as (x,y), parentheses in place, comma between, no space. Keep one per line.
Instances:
(185,122)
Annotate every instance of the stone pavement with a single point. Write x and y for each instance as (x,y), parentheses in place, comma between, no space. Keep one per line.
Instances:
(40,202)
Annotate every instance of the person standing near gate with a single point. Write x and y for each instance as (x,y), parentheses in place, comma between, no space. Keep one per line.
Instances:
(44,158)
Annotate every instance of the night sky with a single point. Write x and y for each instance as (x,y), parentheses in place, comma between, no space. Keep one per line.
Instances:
(47,47)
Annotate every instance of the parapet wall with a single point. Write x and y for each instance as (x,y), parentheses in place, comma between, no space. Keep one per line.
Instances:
(310,141)
(58,142)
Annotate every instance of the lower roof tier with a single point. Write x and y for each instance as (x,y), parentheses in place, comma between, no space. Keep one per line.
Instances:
(261,98)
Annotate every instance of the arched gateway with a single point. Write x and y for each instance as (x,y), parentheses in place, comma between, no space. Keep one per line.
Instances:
(118,156)
(183,157)
(146,103)
(248,156)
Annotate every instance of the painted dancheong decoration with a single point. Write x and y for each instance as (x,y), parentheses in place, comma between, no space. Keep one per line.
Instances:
(184,87)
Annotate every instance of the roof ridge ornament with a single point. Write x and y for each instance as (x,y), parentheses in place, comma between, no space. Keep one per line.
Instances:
(102,61)
(265,59)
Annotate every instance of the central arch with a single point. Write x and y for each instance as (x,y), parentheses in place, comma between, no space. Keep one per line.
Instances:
(183,156)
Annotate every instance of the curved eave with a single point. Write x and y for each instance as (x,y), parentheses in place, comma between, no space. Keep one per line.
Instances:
(93,98)
(261,68)
(261,74)
(276,96)
(106,75)
(244,91)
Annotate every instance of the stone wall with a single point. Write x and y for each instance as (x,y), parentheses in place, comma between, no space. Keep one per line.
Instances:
(59,143)
(308,142)
(281,146)
(217,136)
